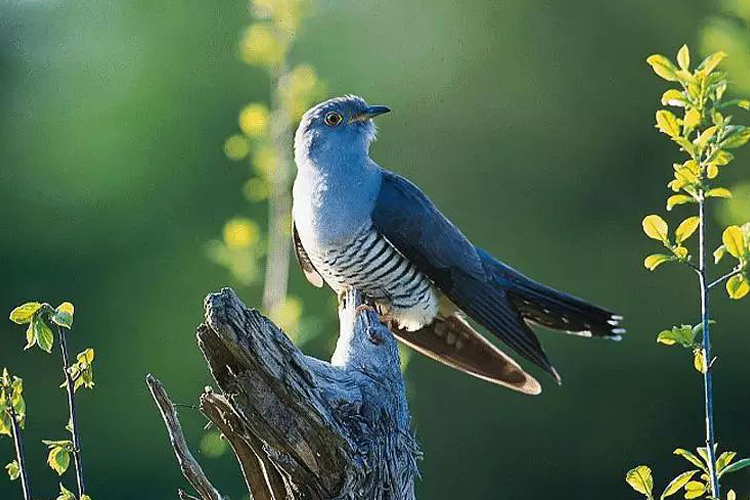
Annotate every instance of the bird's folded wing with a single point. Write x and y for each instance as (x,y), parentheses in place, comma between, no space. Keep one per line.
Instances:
(305,263)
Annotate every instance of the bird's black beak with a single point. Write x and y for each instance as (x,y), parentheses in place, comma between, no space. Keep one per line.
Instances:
(370,112)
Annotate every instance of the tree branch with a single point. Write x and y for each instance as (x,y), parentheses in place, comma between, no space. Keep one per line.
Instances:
(190,467)
(302,428)
(731,273)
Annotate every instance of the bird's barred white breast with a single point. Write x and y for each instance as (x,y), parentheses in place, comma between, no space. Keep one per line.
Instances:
(372,265)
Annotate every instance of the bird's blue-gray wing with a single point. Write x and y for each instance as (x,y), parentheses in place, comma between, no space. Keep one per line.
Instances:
(420,232)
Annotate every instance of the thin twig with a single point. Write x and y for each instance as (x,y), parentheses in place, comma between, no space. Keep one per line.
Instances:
(189,466)
(706,348)
(731,273)
(18,441)
(72,408)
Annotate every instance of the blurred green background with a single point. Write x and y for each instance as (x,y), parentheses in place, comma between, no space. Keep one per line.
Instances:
(529,122)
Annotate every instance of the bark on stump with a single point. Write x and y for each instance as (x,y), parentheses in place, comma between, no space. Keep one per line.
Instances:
(302,428)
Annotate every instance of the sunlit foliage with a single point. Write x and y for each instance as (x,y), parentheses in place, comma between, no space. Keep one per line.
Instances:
(705,134)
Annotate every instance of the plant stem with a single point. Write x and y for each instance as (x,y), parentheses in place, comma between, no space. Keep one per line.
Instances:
(19,453)
(72,406)
(731,273)
(706,350)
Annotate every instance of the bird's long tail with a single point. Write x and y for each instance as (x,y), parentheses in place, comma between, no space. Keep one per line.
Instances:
(507,300)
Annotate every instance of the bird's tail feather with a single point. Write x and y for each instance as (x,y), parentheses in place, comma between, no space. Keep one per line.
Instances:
(553,309)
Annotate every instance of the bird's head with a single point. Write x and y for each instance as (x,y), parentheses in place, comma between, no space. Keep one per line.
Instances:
(341,126)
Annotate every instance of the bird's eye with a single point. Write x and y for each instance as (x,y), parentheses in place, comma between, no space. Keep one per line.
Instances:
(333,118)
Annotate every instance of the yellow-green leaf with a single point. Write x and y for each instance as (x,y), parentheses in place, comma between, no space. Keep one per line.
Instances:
(59,460)
(677,483)
(719,253)
(663,67)
(699,361)
(65,494)
(709,63)
(687,228)
(43,334)
(721,157)
(737,137)
(678,199)
(655,228)
(653,261)
(23,313)
(641,480)
(712,170)
(738,286)
(673,97)
(734,241)
(731,495)
(705,136)
(683,57)
(690,457)
(667,123)
(692,118)
(719,193)
(694,489)
(14,470)
(30,337)
(724,460)
(680,252)
(63,315)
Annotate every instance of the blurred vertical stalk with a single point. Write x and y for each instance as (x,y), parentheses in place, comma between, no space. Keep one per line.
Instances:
(70,389)
(20,456)
(279,200)
(706,348)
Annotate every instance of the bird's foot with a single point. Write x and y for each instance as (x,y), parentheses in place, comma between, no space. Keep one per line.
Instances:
(385,312)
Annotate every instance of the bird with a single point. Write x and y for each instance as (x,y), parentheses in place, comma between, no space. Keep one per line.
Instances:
(358,225)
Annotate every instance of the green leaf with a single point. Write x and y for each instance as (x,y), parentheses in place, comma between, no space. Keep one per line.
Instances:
(677,483)
(43,334)
(14,470)
(655,228)
(641,480)
(667,123)
(694,489)
(719,253)
(738,465)
(23,313)
(678,199)
(719,193)
(737,286)
(737,136)
(709,63)
(63,315)
(691,458)
(65,494)
(687,228)
(683,335)
(663,67)
(59,459)
(653,261)
(683,57)
(734,241)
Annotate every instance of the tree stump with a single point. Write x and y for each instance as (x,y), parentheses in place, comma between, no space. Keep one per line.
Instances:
(302,428)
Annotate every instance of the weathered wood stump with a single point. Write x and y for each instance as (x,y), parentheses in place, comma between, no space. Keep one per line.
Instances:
(302,428)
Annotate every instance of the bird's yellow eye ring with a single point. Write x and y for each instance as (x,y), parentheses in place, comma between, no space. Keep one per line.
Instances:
(333,118)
